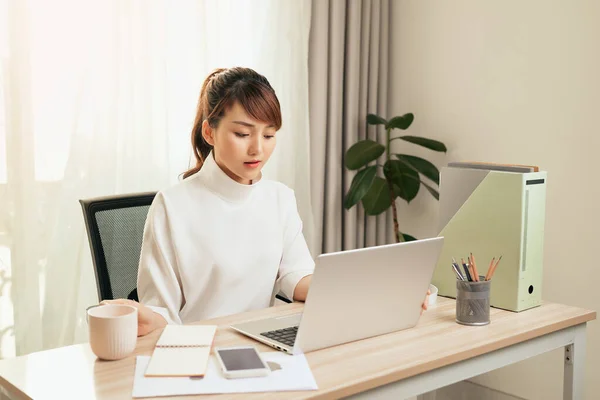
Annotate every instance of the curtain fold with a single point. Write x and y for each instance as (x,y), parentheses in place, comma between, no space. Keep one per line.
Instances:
(99,99)
(348,67)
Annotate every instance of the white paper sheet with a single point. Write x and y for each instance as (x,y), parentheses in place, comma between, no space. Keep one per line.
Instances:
(295,374)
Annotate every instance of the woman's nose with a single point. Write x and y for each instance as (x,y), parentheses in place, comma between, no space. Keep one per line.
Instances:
(256,146)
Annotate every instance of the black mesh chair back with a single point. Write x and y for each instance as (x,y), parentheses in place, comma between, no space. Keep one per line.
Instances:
(115,227)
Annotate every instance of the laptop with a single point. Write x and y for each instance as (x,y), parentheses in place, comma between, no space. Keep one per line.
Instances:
(355,294)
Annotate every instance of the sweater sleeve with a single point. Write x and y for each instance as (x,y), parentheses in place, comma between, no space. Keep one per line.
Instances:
(296,261)
(158,277)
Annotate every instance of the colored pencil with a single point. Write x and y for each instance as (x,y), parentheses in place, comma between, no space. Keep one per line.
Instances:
(487,275)
(474,268)
(494,268)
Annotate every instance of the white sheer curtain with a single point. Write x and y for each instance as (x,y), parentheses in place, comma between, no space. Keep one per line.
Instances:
(98,97)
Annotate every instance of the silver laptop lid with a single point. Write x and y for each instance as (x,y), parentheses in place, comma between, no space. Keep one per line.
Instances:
(366,292)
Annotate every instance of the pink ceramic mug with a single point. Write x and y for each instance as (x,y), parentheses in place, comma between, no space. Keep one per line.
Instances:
(113,330)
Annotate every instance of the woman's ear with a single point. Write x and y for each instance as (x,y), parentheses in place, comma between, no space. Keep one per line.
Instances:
(208,133)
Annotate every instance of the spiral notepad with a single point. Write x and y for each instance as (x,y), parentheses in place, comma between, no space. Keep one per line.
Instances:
(182,350)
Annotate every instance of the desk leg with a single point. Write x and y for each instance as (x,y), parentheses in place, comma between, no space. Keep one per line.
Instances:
(574,366)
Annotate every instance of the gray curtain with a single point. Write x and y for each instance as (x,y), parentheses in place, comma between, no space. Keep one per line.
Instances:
(348,78)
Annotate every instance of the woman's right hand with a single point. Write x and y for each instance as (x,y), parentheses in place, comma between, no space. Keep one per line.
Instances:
(148,320)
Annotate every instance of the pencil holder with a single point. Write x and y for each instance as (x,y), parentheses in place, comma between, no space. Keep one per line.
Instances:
(473,302)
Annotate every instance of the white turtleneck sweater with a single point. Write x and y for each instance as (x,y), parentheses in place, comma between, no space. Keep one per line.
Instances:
(215,247)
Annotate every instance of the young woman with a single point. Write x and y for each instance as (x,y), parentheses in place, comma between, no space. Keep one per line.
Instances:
(219,241)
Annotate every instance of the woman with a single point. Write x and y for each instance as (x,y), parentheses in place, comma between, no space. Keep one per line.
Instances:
(217,242)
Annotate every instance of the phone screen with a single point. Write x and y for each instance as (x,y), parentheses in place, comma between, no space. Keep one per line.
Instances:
(240,359)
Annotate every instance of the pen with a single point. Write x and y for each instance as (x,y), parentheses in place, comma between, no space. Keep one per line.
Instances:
(457,272)
(470,266)
(467,273)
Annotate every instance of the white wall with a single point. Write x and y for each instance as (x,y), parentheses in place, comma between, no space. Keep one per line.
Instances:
(514,82)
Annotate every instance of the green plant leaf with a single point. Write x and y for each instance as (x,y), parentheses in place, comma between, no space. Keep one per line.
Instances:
(361,183)
(408,238)
(405,180)
(421,165)
(428,143)
(401,122)
(374,119)
(377,199)
(431,190)
(363,152)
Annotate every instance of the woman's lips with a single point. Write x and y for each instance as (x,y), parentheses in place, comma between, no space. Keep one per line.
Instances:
(252,164)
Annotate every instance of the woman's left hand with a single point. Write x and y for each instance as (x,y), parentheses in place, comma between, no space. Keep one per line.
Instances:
(148,320)
(426,302)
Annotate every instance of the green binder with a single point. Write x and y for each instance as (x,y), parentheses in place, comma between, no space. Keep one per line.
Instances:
(494,211)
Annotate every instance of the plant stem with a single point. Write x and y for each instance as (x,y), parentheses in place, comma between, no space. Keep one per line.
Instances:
(395,214)
(388,151)
(394,211)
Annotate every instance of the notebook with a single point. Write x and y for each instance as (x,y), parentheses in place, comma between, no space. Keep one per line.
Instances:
(182,350)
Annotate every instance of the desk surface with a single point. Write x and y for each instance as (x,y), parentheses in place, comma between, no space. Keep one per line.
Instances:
(74,371)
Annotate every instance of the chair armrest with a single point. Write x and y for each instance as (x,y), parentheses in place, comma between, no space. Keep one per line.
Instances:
(282,298)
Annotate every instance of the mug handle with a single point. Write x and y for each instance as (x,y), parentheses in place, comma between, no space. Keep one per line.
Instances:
(87,317)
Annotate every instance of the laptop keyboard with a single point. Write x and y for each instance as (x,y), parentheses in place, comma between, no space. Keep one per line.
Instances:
(286,336)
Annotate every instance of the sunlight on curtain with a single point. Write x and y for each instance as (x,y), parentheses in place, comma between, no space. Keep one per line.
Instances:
(101,100)
(2,131)
(7,339)
(275,43)
(3,58)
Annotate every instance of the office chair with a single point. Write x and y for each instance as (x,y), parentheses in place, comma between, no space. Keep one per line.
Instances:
(115,227)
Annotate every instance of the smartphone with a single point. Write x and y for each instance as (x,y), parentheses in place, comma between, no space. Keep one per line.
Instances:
(241,362)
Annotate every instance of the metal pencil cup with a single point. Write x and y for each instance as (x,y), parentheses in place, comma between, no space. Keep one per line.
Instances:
(473,302)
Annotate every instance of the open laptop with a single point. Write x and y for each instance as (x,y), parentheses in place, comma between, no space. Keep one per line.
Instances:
(354,295)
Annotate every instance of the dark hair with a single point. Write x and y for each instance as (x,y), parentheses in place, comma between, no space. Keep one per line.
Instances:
(220,90)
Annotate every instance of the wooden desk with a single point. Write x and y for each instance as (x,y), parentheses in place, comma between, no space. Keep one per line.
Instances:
(436,353)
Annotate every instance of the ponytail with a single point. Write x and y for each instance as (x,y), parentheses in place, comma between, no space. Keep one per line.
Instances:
(200,147)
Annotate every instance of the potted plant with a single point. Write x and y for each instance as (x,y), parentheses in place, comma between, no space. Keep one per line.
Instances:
(401,172)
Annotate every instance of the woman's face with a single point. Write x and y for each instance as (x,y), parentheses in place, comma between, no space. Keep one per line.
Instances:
(241,144)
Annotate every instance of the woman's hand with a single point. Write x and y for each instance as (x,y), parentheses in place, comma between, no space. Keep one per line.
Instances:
(426,302)
(148,320)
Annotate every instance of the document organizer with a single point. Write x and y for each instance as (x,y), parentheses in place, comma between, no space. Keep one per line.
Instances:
(493,211)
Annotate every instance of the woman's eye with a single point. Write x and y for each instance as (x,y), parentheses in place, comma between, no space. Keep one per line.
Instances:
(241,134)
(269,136)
